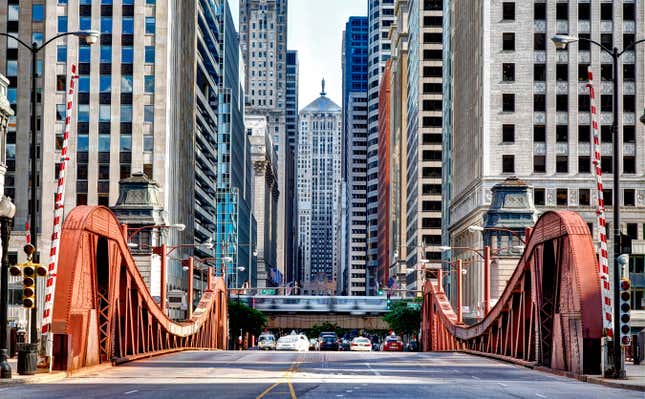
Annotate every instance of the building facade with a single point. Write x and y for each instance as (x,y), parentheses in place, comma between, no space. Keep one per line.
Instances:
(530,113)
(263,39)
(380,14)
(292,141)
(131,114)
(354,166)
(384,160)
(424,138)
(319,194)
(265,198)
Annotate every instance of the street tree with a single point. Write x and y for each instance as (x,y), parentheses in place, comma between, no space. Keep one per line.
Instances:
(403,319)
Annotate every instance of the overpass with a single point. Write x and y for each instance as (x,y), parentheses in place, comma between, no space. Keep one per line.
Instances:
(303,311)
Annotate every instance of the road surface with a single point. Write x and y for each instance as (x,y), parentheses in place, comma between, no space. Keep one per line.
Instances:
(334,375)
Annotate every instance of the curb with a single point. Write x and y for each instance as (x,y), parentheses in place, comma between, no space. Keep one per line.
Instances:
(583,378)
(42,378)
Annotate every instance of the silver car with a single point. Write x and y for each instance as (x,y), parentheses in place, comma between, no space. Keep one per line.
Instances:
(266,342)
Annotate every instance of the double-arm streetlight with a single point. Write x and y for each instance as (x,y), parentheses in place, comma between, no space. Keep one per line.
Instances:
(483,253)
(561,42)
(90,37)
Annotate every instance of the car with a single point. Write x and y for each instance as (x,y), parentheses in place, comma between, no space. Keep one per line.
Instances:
(392,343)
(360,344)
(344,345)
(314,345)
(266,342)
(293,342)
(328,343)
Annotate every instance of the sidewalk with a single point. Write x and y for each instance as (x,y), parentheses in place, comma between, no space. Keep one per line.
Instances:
(635,378)
(41,377)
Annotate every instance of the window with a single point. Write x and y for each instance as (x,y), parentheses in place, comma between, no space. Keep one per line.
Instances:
(149,83)
(83,114)
(584,103)
(583,74)
(562,196)
(150,54)
(584,164)
(38,13)
(125,143)
(104,143)
(584,133)
(584,45)
(85,23)
(538,196)
(629,197)
(605,134)
(562,133)
(562,71)
(61,111)
(84,53)
(61,83)
(104,113)
(508,41)
(127,54)
(84,83)
(584,197)
(62,24)
(126,83)
(584,11)
(61,54)
(539,164)
(606,164)
(608,199)
(508,164)
(539,11)
(606,72)
(629,103)
(106,25)
(539,72)
(539,41)
(126,113)
(508,133)
(106,54)
(562,11)
(628,11)
(508,72)
(508,11)
(606,12)
(629,72)
(539,133)
(150,25)
(606,103)
(128,26)
(148,143)
(148,113)
(606,39)
(629,164)
(562,164)
(508,102)
(562,102)
(539,103)
(629,134)
(105,85)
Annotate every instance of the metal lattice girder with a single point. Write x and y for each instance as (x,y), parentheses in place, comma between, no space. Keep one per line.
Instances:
(550,311)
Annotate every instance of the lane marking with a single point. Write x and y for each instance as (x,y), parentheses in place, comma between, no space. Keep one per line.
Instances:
(501,384)
(540,396)
(291,390)
(286,377)
(372,370)
(131,392)
(475,377)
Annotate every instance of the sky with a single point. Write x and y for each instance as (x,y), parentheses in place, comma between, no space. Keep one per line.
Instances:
(315,30)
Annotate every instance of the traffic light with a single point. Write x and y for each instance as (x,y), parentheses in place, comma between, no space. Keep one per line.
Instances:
(388,302)
(625,309)
(15,270)
(28,285)
(380,292)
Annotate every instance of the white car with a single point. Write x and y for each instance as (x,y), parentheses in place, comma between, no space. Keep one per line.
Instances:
(293,342)
(360,344)
(266,342)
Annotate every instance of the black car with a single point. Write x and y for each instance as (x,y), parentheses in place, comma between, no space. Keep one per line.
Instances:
(328,343)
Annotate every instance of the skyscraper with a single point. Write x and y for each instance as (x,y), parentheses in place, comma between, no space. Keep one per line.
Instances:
(292,99)
(137,108)
(354,167)
(263,39)
(292,137)
(424,137)
(380,17)
(319,193)
(530,116)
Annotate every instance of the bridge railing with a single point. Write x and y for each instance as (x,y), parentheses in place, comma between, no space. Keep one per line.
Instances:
(549,313)
(103,311)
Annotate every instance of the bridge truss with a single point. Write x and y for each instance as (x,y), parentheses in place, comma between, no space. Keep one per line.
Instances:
(548,315)
(103,311)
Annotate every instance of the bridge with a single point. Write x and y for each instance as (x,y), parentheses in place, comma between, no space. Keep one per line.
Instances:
(103,311)
(549,314)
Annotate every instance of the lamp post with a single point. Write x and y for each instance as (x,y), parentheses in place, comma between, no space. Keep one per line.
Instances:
(7,212)
(484,253)
(90,37)
(561,42)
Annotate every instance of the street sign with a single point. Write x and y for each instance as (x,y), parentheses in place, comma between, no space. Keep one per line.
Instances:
(267,292)
(414,305)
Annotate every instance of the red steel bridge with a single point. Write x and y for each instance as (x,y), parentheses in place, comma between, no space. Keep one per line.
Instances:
(550,312)
(103,311)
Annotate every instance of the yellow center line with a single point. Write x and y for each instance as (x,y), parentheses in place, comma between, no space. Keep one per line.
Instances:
(286,377)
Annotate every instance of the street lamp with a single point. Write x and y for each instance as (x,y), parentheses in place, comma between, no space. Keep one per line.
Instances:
(7,212)
(484,253)
(90,37)
(561,42)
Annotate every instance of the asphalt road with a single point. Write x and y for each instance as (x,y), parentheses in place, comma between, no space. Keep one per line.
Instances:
(272,375)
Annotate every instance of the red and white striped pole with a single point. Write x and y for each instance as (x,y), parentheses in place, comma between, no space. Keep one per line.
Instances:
(603,257)
(59,207)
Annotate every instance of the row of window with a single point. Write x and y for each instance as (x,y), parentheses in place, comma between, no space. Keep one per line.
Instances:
(584,197)
(562,102)
(562,134)
(562,164)
(562,11)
